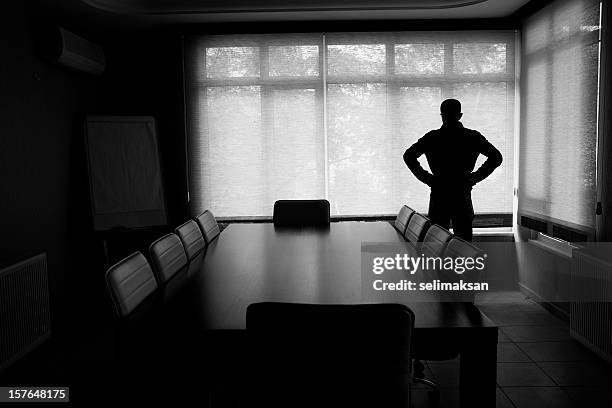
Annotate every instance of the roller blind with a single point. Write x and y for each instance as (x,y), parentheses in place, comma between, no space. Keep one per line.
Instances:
(558,144)
(329,116)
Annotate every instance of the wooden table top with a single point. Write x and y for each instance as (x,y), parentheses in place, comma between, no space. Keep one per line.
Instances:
(251,263)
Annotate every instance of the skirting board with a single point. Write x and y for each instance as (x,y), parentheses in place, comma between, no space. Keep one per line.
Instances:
(552,308)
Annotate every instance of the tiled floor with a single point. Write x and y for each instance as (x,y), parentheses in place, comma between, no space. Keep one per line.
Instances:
(538,364)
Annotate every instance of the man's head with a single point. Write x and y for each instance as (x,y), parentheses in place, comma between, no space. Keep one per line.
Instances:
(450,110)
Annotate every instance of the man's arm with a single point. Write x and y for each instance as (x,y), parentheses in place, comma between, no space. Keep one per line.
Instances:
(411,156)
(494,160)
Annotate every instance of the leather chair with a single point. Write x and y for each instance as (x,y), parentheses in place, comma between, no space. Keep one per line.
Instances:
(402,219)
(459,248)
(416,229)
(167,256)
(139,335)
(301,213)
(435,241)
(191,238)
(208,224)
(309,355)
(130,282)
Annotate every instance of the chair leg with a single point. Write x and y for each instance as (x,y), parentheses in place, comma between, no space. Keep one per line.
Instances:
(434,394)
(419,378)
(427,382)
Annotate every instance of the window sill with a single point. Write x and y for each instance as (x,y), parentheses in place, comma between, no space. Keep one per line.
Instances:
(490,224)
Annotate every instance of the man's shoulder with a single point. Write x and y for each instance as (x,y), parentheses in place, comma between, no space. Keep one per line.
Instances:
(431,134)
(473,133)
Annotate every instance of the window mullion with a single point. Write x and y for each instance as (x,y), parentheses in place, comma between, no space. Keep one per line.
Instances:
(323,72)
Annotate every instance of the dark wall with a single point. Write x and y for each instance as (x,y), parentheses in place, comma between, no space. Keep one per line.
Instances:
(43,202)
(44,193)
(144,77)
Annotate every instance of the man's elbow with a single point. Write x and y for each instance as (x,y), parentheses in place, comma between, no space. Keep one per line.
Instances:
(497,159)
(409,157)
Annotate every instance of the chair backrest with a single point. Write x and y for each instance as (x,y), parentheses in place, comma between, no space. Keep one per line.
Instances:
(301,213)
(436,240)
(401,222)
(208,224)
(130,282)
(417,227)
(167,256)
(324,351)
(191,237)
(458,247)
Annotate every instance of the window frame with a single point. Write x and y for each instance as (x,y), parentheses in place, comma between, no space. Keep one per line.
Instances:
(393,82)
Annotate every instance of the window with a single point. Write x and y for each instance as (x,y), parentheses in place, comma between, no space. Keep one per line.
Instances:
(559,114)
(329,116)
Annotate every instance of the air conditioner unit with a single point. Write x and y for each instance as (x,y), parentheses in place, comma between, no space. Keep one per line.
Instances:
(78,53)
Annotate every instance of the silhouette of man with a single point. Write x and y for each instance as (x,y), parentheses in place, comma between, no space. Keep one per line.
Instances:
(451,152)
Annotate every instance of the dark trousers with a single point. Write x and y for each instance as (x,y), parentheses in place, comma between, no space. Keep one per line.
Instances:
(444,208)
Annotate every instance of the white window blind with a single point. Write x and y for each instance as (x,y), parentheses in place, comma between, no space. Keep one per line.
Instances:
(329,116)
(560,60)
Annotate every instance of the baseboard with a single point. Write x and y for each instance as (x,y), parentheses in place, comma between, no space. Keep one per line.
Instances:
(587,343)
(551,307)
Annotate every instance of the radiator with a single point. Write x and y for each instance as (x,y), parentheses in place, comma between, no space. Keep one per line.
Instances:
(25,319)
(591,322)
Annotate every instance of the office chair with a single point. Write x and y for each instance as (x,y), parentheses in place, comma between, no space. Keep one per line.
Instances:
(167,256)
(133,290)
(459,248)
(402,219)
(301,213)
(435,241)
(310,355)
(208,224)
(416,228)
(191,238)
(130,281)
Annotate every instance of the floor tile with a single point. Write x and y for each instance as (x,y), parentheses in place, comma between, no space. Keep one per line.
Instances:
(501,401)
(557,351)
(538,397)
(590,397)
(536,333)
(502,338)
(579,373)
(510,353)
(507,317)
(514,307)
(522,375)
(512,296)
(522,318)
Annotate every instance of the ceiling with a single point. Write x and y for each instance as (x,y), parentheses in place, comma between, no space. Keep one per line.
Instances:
(203,11)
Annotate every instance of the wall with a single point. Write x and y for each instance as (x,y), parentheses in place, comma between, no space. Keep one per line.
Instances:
(543,274)
(43,199)
(144,77)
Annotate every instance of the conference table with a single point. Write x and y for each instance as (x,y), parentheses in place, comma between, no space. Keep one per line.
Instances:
(259,262)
